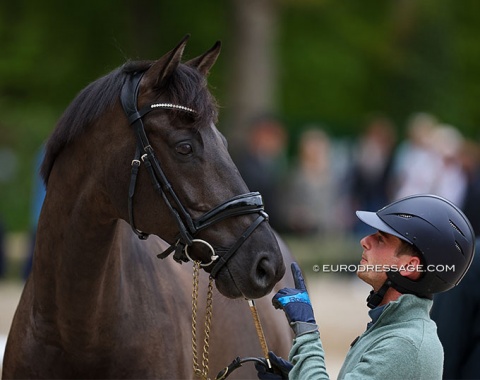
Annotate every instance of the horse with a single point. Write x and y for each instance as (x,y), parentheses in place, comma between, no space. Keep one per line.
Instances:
(136,169)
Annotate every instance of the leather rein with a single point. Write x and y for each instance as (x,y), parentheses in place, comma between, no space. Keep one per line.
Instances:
(249,203)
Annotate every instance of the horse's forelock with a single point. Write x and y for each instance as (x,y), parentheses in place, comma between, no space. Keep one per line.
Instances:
(187,87)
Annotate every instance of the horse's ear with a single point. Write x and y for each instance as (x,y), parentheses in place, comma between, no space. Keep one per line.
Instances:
(165,66)
(205,62)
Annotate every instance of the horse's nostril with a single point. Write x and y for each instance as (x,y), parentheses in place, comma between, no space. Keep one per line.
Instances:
(265,273)
(261,271)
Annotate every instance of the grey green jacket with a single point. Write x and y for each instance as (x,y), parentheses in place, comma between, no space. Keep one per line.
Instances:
(401,344)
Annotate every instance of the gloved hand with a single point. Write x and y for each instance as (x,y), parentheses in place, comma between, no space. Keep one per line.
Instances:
(279,371)
(296,304)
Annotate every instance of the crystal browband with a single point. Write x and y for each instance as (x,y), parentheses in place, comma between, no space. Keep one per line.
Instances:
(172,106)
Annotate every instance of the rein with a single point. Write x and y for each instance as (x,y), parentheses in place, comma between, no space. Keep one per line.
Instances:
(249,203)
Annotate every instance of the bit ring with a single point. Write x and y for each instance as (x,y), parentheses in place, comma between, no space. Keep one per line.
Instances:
(212,258)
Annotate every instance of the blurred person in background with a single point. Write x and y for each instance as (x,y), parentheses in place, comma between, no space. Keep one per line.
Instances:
(263,163)
(372,168)
(310,186)
(457,315)
(470,161)
(430,161)
(457,312)
(415,161)
(9,167)
(450,180)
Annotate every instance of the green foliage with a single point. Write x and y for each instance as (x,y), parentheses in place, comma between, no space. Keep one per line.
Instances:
(344,60)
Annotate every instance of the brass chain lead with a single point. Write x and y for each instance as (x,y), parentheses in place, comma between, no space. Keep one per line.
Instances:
(208,323)
(201,372)
(196,367)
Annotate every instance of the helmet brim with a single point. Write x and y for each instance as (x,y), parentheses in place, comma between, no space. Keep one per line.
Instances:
(373,220)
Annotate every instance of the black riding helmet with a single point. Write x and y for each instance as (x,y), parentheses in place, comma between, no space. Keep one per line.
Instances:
(440,231)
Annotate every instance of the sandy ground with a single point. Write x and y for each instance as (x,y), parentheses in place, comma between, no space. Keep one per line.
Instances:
(9,296)
(339,305)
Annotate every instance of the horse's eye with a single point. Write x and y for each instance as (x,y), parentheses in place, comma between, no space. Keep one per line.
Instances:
(184,149)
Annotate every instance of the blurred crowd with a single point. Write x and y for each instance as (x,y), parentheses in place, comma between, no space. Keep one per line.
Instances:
(315,188)
(313,183)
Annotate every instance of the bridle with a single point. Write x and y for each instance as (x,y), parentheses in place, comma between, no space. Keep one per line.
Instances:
(249,203)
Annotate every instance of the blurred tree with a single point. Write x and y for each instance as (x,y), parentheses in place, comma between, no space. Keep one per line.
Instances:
(253,61)
(341,61)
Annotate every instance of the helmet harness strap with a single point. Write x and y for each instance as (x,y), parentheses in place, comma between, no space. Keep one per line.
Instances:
(375,298)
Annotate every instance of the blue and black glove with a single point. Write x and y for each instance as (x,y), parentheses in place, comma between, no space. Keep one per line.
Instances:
(279,371)
(296,304)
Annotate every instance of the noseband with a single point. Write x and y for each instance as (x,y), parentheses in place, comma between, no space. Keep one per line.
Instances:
(249,203)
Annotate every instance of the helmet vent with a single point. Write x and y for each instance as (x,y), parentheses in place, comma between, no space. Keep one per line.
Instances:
(458,247)
(456,228)
(405,216)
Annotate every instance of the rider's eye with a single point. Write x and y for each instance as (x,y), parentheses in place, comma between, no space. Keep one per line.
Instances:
(184,149)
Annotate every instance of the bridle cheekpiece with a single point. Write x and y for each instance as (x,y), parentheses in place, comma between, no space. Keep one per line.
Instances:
(249,203)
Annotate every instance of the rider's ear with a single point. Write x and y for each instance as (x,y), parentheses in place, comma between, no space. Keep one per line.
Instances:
(411,269)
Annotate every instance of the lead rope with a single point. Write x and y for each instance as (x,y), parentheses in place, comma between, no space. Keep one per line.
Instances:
(201,372)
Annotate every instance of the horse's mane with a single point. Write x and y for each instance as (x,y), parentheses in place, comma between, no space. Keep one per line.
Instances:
(186,87)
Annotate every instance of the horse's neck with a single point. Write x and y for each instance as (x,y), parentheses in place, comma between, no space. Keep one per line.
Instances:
(77,256)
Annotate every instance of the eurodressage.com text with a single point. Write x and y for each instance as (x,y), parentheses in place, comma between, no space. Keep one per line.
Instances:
(354,268)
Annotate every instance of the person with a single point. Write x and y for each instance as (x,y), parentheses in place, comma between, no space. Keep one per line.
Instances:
(9,165)
(371,173)
(457,316)
(470,158)
(415,157)
(431,162)
(310,189)
(263,163)
(423,245)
